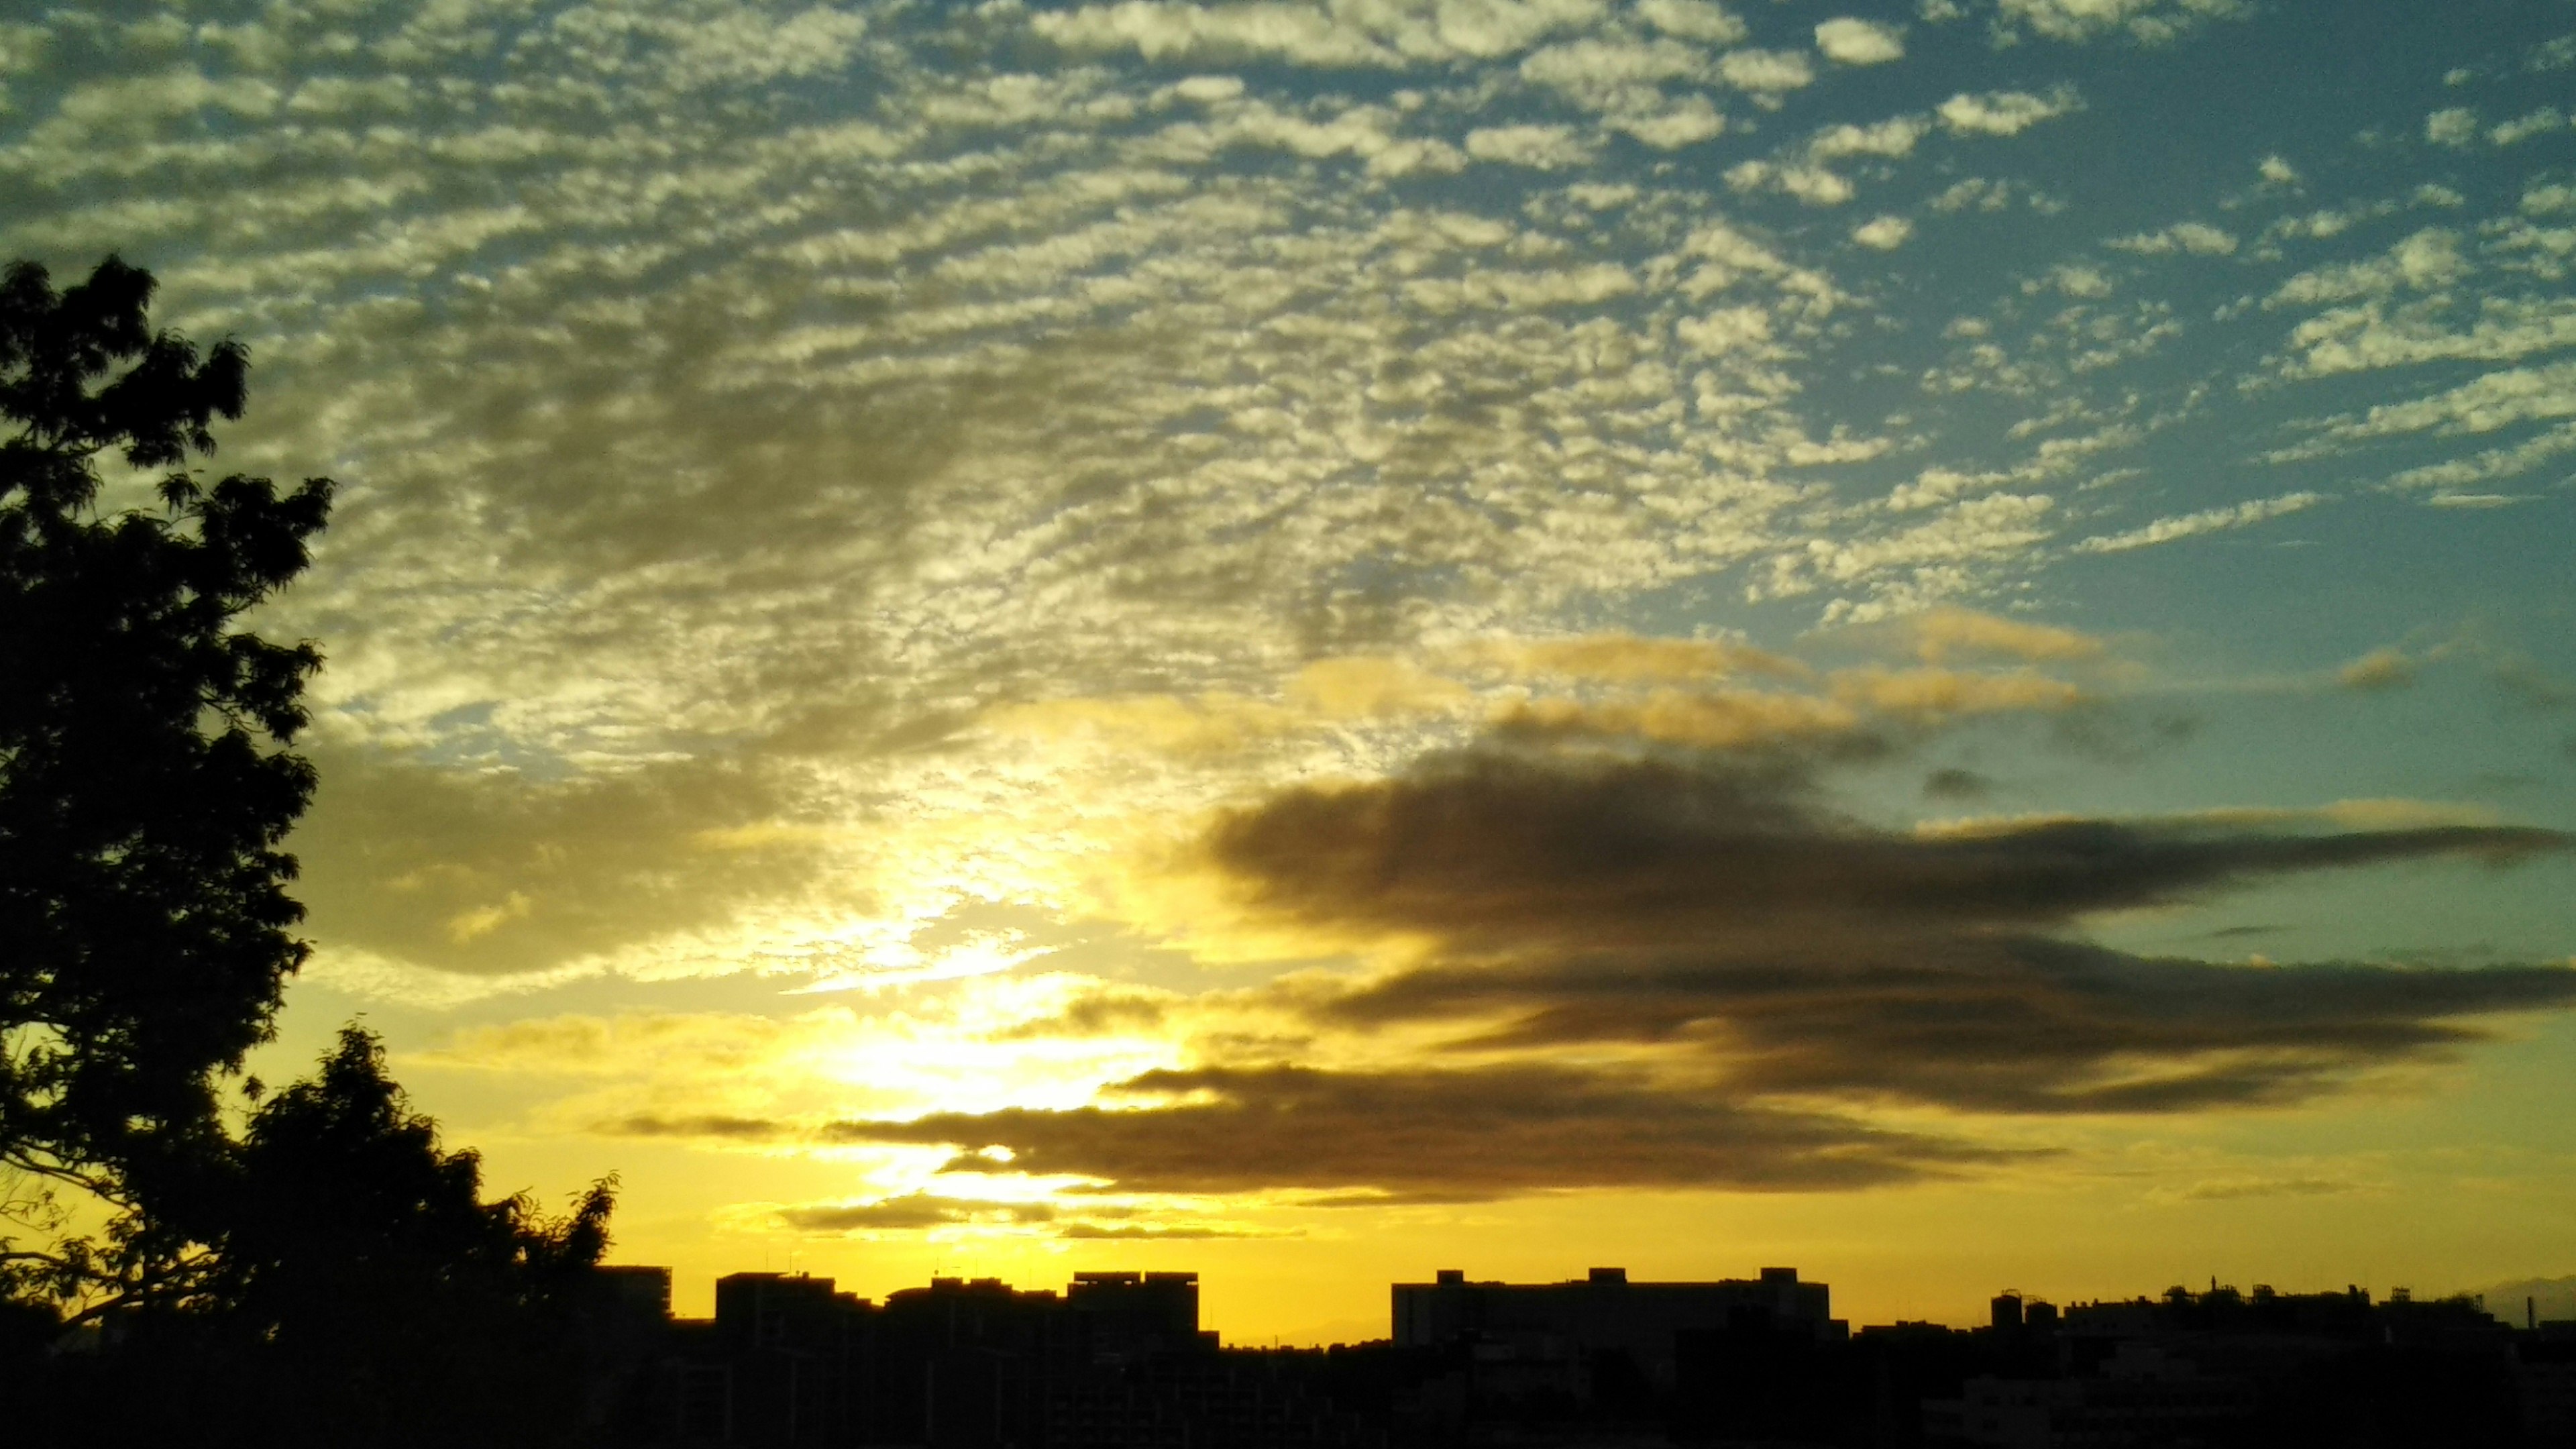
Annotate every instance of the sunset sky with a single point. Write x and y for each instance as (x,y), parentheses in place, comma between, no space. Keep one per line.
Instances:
(1315,641)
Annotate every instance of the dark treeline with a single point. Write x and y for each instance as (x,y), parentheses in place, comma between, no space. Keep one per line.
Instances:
(186,1257)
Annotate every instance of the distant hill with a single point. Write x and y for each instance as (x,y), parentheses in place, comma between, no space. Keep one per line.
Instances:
(2554,1297)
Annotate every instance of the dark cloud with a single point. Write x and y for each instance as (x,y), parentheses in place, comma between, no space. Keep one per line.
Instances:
(1496,851)
(1955,784)
(1099,1012)
(2233,1189)
(1725,911)
(1455,1134)
(2119,736)
(2008,1024)
(724,1129)
(1769,956)
(912,1210)
(2529,687)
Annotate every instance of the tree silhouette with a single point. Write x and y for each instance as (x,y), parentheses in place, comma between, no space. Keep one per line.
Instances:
(145,927)
(366,1294)
(329,1274)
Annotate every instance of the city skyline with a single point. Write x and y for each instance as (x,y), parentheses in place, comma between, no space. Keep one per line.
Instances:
(1931,640)
(1120,1358)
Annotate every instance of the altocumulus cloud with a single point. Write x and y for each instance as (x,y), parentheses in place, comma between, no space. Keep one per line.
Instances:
(738,402)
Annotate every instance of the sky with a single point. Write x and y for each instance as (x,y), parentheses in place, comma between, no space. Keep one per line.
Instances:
(1316,641)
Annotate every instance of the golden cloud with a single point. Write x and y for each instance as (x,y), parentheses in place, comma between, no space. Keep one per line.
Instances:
(1937,634)
(1371,686)
(1725,721)
(2378,669)
(1935,693)
(1629,658)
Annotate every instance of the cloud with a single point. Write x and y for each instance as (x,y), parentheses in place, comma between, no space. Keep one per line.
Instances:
(1158,1232)
(1953,783)
(910,1212)
(493,873)
(1461,1133)
(1979,193)
(2425,261)
(1630,658)
(1727,719)
(2373,335)
(2197,238)
(2488,464)
(2483,404)
(1943,693)
(1543,148)
(2454,127)
(1686,122)
(2379,669)
(1894,136)
(1693,20)
(1720,909)
(1488,849)
(2004,113)
(2149,21)
(746,512)
(1811,184)
(2522,128)
(1765,72)
(1727,957)
(1938,634)
(1614,76)
(1804,170)
(718,1127)
(1358,687)
(1885,233)
(2230,1189)
(1335,36)
(2208,520)
(1859,42)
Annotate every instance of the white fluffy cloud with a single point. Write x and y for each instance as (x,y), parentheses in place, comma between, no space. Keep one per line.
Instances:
(2197,238)
(2004,113)
(2455,126)
(1393,35)
(1885,233)
(1847,41)
(1696,20)
(2208,520)
(1545,148)
(1765,72)
(2152,21)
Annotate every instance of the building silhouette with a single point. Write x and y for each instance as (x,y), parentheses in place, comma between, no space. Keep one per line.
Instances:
(1118,1359)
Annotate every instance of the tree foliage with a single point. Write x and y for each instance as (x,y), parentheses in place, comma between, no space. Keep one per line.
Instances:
(354,1289)
(145,791)
(328,1273)
(360,1289)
